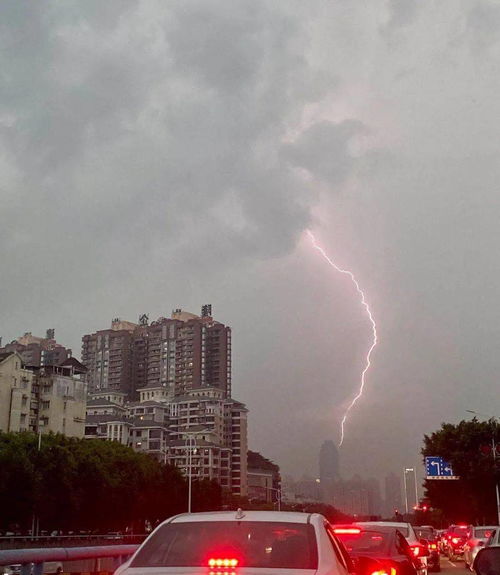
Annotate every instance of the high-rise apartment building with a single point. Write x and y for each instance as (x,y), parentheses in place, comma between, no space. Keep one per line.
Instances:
(38,351)
(107,355)
(180,353)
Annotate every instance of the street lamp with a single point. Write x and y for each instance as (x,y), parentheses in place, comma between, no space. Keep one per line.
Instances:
(190,445)
(405,471)
(494,453)
(278,493)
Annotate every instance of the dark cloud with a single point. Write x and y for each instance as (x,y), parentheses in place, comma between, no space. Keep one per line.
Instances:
(323,150)
(401,14)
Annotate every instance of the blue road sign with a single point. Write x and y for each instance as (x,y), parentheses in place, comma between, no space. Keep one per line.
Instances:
(438,468)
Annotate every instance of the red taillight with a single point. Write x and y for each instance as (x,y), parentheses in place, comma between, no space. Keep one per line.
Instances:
(347,530)
(390,571)
(433,546)
(417,550)
(455,540)
(222,562)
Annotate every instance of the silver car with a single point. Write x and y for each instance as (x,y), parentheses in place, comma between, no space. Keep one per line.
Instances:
(478,537)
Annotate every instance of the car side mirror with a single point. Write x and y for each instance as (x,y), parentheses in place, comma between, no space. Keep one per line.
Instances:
(487,561)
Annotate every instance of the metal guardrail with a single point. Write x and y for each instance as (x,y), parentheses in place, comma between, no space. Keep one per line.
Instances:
(32,560)
(25,541)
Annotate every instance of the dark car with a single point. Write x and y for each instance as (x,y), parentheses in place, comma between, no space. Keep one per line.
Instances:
(455,539)
(430,536)
(378,550)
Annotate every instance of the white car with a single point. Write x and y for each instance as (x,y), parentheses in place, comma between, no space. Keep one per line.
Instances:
(240,542)
(477,539)
(494,539)
(407,530)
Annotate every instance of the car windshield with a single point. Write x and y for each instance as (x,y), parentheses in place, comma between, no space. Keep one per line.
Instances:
(244,544)
(372,542)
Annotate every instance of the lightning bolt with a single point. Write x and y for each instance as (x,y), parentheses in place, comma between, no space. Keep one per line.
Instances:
(364,303)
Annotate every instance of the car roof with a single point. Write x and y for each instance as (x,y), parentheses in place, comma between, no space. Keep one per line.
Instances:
(243,515)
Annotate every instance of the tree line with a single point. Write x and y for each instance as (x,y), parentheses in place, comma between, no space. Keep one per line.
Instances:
(95,485)
(467,446)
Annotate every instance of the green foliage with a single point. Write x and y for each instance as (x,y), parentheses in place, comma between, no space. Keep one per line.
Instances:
(73,484)
(472,498)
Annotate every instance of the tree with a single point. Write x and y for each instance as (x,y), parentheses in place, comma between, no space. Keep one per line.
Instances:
(73,484)
(472,497)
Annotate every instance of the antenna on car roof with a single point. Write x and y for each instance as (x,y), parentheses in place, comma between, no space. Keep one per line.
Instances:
(239,513)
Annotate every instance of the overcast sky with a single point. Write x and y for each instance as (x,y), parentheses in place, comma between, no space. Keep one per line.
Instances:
(156,155)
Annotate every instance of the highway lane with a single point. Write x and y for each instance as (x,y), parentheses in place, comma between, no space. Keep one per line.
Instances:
(453,568)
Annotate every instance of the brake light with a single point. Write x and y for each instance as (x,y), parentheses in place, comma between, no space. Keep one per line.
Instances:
(416,550)
(225,562)
(391,571)
(455,540)
(347,530)
(432,546)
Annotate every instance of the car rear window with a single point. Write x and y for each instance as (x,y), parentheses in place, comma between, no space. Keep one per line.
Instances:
(460,530)
(250,543)
(483,533)
(365,541)
(425,533)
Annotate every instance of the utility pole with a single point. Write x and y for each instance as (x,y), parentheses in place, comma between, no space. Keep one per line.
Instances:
(494,451)
(406,490)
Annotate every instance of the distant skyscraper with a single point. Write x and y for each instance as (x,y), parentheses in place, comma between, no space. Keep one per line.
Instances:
(329,471)
(329,465)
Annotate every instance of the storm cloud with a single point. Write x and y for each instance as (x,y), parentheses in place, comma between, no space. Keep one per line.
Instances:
(168,154)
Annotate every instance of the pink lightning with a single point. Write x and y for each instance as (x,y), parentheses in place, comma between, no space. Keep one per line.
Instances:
(372,321)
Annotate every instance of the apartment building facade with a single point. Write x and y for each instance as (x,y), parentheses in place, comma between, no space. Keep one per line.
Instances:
(180,353)
(202,431)
(59,400)
(15,393)
(42,399)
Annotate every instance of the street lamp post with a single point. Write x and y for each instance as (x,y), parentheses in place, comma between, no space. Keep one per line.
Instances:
(494,453)
(278,494)
(405,471)
(190,444)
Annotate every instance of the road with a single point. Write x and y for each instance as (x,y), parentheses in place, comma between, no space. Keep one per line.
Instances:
(455,568)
